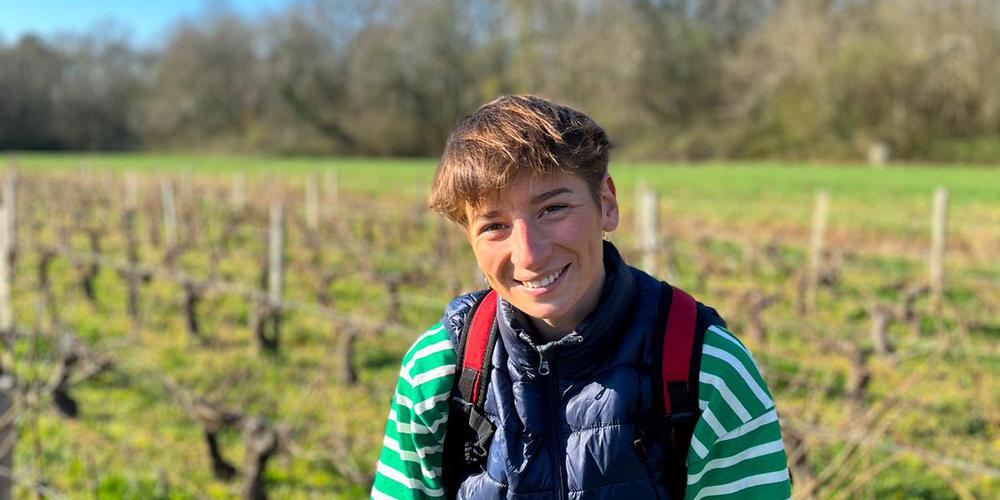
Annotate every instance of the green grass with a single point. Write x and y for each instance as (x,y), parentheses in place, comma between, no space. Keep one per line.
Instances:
(892,198)
(133,440)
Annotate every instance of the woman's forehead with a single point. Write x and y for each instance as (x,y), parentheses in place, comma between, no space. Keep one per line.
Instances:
(527,191)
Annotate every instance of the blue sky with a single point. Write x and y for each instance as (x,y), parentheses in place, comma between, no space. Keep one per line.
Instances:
(147,20)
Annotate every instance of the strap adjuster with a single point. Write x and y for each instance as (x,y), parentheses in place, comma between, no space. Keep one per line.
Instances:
(682,418)
(640,445)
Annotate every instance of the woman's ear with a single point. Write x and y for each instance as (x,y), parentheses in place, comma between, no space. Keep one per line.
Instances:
(609,204)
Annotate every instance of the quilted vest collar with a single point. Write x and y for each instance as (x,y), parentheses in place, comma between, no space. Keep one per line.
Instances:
(581,350)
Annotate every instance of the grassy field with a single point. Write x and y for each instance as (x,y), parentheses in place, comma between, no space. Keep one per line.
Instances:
(928,418)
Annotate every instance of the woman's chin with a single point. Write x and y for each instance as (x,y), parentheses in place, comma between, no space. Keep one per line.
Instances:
(549,313)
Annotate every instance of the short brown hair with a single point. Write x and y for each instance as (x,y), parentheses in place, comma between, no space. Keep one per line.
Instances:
(508,138)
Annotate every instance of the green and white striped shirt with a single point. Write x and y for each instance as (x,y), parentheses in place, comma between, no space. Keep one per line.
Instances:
(736,450)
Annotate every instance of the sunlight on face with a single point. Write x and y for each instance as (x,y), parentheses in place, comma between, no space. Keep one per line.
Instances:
(539,244)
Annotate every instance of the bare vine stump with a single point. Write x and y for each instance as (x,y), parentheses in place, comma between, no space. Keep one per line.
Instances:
(60,393)
(267,326)
(348,373)
(154,228)
(908,308)
(798,453)
(132,275)
(706,265)
(752,259)
(221,468)
(327,274)
(326,279)
(192,297)
(829,273)
(882,316)
(92,268)
(802,293)
(756,301)
(774,256)
(45,258)
(859,379)
(214,419)
(395,315)
(262,442)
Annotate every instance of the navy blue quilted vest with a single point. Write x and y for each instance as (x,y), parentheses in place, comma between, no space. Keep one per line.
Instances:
(566,412)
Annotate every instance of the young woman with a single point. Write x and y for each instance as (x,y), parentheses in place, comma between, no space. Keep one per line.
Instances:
(571,402)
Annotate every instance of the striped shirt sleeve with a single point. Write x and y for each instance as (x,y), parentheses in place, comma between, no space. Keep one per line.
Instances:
(736,450)
(413,447)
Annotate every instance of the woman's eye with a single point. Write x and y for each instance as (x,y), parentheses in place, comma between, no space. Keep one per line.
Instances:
(489,228)
(553,209)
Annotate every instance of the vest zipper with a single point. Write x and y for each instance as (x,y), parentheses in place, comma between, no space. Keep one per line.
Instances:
(558,458)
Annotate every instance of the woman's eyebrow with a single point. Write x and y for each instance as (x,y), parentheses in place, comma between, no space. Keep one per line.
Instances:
(492,214)
(549,194)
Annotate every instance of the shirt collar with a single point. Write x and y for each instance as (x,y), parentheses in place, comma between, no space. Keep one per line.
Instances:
(591,339)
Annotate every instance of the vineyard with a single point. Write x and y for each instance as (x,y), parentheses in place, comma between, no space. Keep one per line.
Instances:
(186,327)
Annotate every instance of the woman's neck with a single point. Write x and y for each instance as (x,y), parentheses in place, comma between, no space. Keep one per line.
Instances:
(554,329)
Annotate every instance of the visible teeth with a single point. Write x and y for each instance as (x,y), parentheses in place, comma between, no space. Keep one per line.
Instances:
(546,281)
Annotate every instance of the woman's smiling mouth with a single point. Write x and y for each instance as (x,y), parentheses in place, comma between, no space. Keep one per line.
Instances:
(543,283)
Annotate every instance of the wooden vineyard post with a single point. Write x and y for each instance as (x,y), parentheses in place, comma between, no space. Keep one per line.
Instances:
(939,222)
(312,203)
(169,212)
(276,254)
(191,217)
(821,215)
(331,190)
(649,224)
(269,315)
(7,437)
(131,191)
(132,246)
(7,382)
(238,197)
(10,199)
(7,245)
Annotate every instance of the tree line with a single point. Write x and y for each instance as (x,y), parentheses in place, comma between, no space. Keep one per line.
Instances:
(678,79)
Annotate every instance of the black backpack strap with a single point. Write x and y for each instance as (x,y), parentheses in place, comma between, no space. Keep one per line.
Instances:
(676,386)
(469,430)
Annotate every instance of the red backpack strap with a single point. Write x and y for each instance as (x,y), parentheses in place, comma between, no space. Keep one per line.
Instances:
(681,353)
(678,345)
(479,336)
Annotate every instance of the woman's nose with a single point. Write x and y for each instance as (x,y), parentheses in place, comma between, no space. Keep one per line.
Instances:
(530,245)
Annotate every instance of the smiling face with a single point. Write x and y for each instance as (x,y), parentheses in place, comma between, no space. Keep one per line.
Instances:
(539,244)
